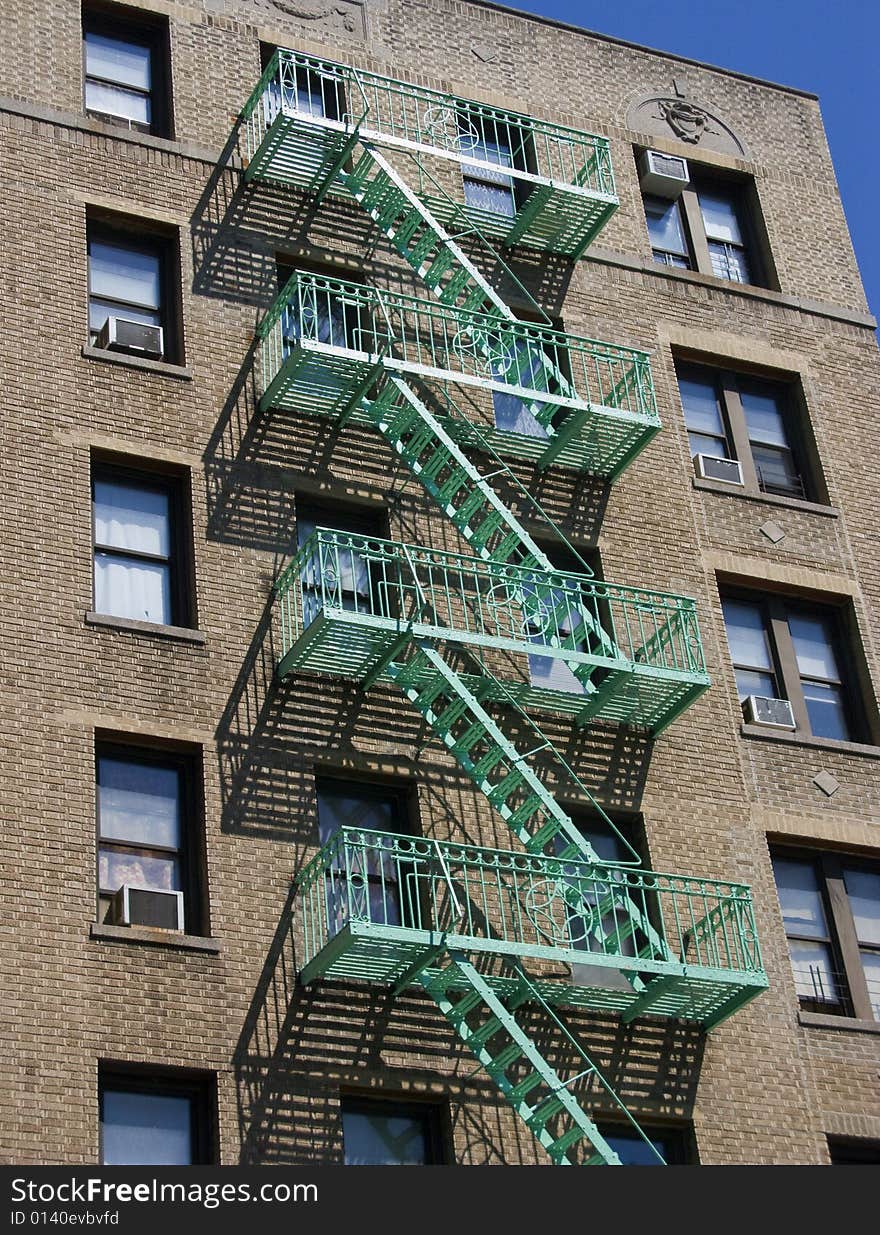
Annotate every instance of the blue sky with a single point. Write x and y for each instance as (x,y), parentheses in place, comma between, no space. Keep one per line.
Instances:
(829,49)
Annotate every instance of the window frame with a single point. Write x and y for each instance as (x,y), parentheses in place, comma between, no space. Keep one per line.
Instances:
(404,798)
(143,29)
(741,192)
(730,384)
(844,946)
(191,857)
(434,1113)
(522,159)
(199,1087)
(144,237)
(775,608)
(176,483)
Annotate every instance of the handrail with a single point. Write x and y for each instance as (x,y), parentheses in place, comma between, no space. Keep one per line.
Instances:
(535,905)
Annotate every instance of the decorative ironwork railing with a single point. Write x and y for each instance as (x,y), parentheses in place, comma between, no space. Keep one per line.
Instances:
(368,581)
(527,905)
(499,145)
(547,369)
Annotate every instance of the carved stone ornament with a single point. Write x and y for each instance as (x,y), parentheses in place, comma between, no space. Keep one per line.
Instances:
(671,115)
(329,16)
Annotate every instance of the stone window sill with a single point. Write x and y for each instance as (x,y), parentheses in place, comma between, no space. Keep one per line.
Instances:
(849,1024)
(806,740)
(768,499)
(155,937)
(181,634)
(137,362)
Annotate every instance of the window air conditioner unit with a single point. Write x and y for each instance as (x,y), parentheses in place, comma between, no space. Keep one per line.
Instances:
(664,175)
(714,467)
(774,713)
(132,906)
(121,334)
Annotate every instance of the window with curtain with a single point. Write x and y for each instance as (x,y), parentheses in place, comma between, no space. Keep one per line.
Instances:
(134,558)
(126,69)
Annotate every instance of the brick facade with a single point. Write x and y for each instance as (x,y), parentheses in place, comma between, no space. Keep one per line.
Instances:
(766,1087)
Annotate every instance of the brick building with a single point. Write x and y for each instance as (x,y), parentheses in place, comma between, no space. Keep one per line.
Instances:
(364,296)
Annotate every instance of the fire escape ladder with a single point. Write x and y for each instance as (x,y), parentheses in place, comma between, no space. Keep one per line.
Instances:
(487,1024)
(466,497)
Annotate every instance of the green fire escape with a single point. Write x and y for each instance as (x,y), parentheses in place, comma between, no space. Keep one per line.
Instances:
(475,641)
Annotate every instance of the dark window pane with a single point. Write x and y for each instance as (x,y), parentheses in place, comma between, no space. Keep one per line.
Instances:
(384,1139)
(144,1129)
(665,227)
(633,1151)
(702,410)
(747,635)
(729,262)
(139,803)
(800,898)
(124,273)
(826,710)
(813,640)
(720,217)
(753,682)
(863,890)
(776,471)
(117,60)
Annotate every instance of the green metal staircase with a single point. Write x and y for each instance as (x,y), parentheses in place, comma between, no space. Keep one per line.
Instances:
(330,145)
(487,1024)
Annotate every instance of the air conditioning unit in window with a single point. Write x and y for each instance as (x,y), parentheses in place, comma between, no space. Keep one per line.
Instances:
(714,467)
(121,334)
(664,175)
(133,906)
(774,713)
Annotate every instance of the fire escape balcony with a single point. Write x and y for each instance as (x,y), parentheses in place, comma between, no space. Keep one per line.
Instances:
(518,180)
(530,391)
(382,908)
(556,641)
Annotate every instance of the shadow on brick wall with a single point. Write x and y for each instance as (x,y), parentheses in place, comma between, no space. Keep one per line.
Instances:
(302,1047)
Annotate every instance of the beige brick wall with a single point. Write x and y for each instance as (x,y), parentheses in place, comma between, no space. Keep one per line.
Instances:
(762,1088)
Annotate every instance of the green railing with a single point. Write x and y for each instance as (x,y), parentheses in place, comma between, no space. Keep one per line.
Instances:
(495,142)
(546,369)
(366,581)
(515,904)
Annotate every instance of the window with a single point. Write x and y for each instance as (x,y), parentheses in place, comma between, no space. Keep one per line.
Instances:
(139,532)
(148,805)
(155,1120)
(667,232)
(713,227)
(673,1144)
(613,847)
(853,1151)
(379,1132)
(787,649)
(126,69)
(348,584)
(560,613)
(388,885)
(131,276)
(831,910)
(537,363)
(312,91)
(493,140)
(752,419)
